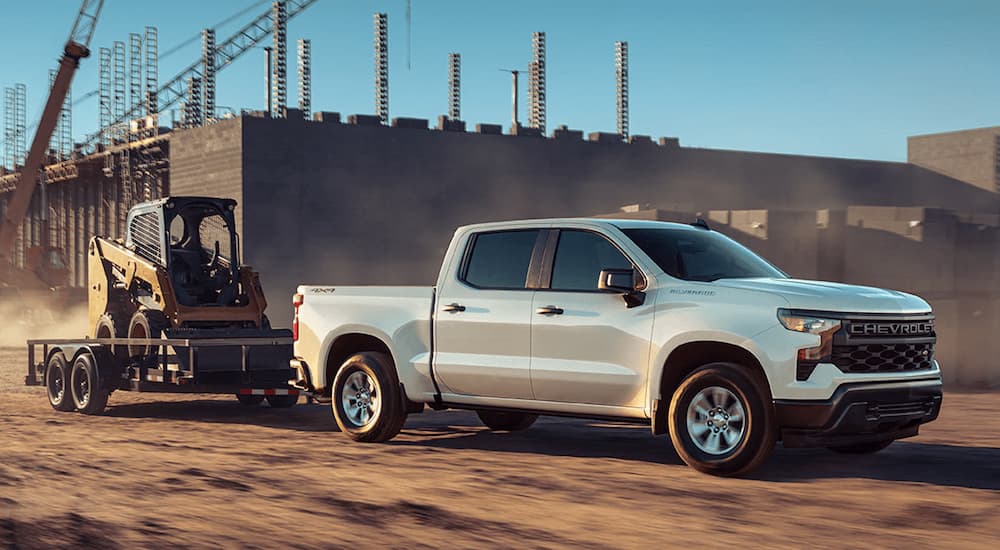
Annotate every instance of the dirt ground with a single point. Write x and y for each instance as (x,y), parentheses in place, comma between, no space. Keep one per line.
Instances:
(201,471)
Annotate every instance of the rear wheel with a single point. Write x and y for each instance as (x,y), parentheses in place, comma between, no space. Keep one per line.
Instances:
(145,324)
(249,400)
(282,401)
(861,448)
(89,394)
(367,403)
(721,420)
(506,421)
(57,383)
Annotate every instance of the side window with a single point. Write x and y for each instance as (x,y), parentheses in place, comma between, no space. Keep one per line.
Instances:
(580,257)
(501,259)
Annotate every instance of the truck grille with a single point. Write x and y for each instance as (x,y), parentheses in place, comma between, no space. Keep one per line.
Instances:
(883,357)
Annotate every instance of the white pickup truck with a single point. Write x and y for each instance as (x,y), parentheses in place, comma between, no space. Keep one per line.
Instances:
(669,324)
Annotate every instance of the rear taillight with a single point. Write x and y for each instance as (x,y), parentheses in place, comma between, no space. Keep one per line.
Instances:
(296,301)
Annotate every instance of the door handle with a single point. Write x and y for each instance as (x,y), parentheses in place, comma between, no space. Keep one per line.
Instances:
(549,310)
(453,308)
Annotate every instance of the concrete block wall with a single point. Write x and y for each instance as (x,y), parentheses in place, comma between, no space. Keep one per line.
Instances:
(968,155)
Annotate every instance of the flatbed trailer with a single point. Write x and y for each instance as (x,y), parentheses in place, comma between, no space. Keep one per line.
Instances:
(79,374)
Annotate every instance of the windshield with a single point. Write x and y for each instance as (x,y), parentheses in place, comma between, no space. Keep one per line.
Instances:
(700,255)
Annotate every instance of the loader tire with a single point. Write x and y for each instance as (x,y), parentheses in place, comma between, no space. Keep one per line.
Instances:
(113,324)
(367,400)
(146,323)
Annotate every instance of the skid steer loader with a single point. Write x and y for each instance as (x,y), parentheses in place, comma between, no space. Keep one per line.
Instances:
(177,274)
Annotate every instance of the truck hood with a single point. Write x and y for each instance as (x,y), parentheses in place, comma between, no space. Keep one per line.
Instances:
(825,296)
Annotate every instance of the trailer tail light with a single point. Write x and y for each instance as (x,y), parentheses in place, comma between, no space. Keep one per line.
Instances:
(296,302)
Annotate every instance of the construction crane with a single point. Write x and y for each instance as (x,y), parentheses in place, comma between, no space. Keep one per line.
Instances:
(226,52)
(77,48)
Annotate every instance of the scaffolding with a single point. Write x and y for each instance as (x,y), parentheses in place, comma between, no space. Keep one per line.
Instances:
(208,74)
(152,73)
(105,110)
(135,77)
(382,67)
(621,78)
(536,83)
(118,99)
(14,100)
(455,86)
(191,116)
(305,77)
(279,61)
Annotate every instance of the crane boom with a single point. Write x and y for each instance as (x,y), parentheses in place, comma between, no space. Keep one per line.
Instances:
(226,52)
(77,47)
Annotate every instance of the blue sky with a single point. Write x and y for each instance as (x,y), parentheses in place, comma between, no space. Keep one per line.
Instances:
(847,78)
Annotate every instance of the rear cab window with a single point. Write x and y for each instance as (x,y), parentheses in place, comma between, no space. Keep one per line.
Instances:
(500,260)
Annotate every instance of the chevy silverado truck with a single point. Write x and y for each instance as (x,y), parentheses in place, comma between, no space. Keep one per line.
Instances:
(669,324)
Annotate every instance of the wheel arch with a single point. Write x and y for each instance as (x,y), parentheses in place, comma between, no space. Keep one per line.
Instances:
(347,344)
(687,357)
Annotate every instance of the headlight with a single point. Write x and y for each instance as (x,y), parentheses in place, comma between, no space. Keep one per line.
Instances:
(806,323)
(808,358)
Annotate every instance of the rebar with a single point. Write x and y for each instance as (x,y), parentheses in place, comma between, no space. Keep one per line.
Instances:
(305,77)
(621,78)
(382,67)
(279,59)
(536,85)
(208,74)
(455,86)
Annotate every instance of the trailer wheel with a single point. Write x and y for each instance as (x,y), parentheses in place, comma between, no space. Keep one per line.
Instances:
(145,324)
(57,383)
(282,401)
(89,394)
(367,404)
(249,400)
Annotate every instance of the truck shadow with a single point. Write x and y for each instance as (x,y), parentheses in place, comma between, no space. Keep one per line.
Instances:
(905,461)
(302,417)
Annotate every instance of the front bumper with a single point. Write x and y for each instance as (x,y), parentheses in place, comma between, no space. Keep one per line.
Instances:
(859,413)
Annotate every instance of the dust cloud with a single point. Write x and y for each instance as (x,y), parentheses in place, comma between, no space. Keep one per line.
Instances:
(23,319)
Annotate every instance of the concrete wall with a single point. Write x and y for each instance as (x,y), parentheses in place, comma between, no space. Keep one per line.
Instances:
(209,161)
(968,155)
(362,204)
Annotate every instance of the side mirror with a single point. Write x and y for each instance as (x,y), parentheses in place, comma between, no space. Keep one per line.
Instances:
(622,281)
(618,280)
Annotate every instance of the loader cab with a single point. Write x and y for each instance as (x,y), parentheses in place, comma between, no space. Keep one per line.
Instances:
(195,240)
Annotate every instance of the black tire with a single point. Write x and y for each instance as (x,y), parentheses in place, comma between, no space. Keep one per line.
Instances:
(507,421)
(146,323)
(89,393)
(376,373)
(871,447)
(282,401)
(113,324)
(249,400)
(57,383)
(739,432)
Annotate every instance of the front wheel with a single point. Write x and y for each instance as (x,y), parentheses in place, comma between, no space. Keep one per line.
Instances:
(367,403)
(721,420)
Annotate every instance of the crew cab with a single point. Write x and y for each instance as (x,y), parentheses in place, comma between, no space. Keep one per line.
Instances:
(670,324)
